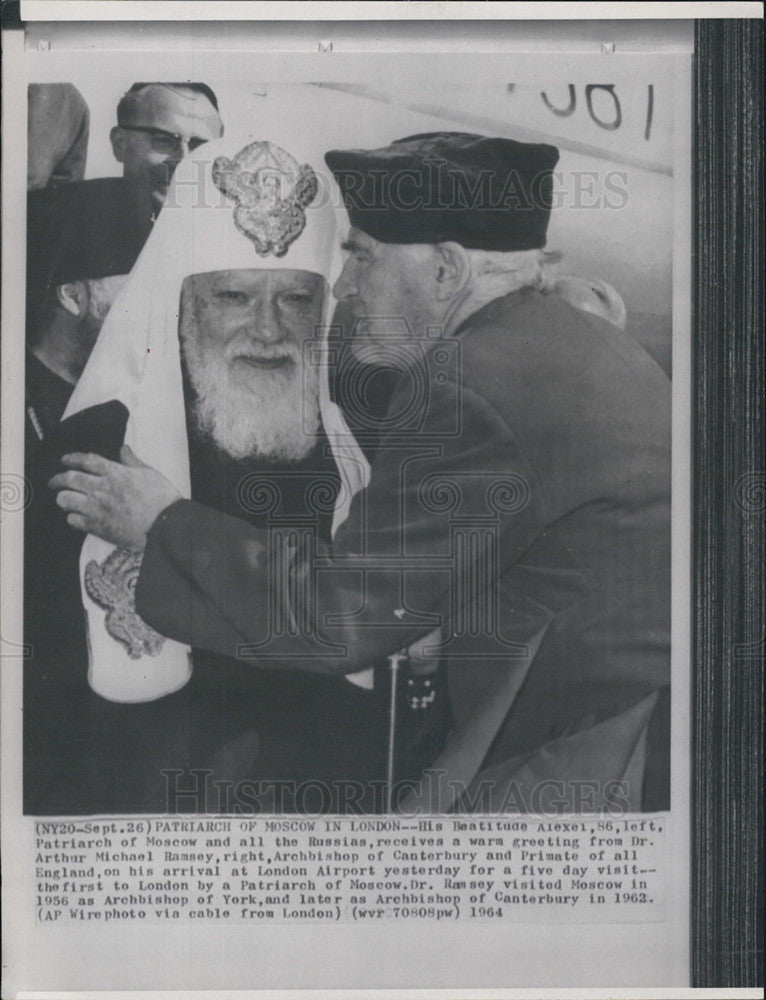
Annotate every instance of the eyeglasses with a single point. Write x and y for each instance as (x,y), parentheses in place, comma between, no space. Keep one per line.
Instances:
(166,143)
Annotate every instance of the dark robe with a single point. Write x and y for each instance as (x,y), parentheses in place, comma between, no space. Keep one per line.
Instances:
(55,667)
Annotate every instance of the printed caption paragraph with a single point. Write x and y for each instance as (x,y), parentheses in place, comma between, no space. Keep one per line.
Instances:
(342,869)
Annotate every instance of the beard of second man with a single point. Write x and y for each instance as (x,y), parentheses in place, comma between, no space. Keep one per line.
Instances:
(249,413)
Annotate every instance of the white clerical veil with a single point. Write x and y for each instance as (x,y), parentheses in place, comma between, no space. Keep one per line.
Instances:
(285,218)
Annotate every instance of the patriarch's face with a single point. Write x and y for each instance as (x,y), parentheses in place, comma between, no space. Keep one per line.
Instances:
(243,333)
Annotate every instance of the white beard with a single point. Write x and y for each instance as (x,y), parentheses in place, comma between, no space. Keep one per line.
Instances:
(251,413)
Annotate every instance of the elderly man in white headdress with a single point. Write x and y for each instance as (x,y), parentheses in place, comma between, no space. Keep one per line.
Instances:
(237,271)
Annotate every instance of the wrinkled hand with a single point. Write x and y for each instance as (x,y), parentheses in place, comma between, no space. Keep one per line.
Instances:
(116,502)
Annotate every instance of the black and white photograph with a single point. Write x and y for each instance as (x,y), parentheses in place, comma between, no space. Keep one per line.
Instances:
(353,506)
(350,430)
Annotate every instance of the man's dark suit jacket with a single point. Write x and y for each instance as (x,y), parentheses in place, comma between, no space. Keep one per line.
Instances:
(523,480)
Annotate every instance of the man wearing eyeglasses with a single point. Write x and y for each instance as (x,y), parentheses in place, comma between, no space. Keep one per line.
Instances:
(158,124)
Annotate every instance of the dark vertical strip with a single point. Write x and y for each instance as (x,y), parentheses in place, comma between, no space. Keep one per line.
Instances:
(730,502)
(649,111)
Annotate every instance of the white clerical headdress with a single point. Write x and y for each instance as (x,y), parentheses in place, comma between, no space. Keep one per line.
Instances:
(258,201)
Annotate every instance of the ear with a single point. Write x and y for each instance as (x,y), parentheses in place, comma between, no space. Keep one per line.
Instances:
(614,307)
(117,138)
(73,297)
(452,270)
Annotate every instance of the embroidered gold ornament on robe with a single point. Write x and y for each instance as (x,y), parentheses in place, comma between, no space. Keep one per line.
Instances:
(112,586)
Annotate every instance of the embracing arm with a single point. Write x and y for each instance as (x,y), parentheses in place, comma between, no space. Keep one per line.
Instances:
(218,583)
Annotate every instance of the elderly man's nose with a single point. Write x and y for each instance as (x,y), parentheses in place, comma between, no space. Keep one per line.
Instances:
(265,325)
(345,286)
